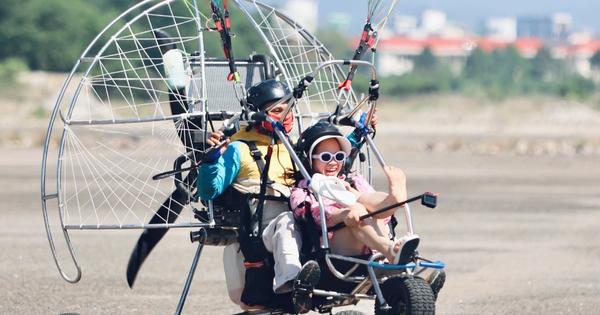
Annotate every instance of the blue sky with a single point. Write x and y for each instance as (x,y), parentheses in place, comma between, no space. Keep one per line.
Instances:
(586,13)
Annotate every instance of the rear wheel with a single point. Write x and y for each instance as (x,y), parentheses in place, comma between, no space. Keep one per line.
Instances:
(406,295)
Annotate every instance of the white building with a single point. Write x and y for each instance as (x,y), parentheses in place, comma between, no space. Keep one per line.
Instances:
(562,24)
(433,21)
(305,12)
(405,24)
(503,29)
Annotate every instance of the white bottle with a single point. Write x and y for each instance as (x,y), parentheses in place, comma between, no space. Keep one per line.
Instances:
(174,69)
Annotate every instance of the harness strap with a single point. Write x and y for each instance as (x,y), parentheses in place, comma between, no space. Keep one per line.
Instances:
(314,232)
(264,171)
(269,197)
(257,156)
(263,189)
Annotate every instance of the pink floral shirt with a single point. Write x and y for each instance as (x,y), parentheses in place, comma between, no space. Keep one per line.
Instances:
(300,194)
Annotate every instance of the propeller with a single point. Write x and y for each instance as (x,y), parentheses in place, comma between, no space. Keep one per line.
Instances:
(172,206)
(164,40)
(150,237)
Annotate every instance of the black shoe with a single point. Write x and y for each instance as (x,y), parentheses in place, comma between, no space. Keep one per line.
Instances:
(436,280)
(303,286)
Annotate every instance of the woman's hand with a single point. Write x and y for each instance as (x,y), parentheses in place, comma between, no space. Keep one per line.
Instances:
(351,189)
(352,218)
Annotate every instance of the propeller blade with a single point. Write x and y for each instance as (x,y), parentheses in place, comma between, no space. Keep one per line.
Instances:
(150,237)
(165,42)
(169,209)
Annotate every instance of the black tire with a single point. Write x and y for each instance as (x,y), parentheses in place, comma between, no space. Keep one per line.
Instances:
(406,295)
(438,283)
(350,312)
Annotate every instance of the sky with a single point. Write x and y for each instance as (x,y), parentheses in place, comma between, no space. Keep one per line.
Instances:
(471,13)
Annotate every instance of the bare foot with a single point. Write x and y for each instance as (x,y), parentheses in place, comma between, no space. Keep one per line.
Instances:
(397,183)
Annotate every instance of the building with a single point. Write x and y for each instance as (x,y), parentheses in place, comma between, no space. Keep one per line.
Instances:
(561,25)
(433,21)
(305,12)
(534,26)
(453,44)
(395,55)
(557,26)
(578,57)
(501,28)
(405,24)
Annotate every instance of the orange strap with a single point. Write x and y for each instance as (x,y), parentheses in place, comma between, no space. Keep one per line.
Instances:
(254,265)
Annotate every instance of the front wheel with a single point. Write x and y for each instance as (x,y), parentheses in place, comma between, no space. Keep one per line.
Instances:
(406,295)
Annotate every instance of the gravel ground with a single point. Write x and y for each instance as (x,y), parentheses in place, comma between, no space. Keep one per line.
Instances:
(519,235)
(516,224)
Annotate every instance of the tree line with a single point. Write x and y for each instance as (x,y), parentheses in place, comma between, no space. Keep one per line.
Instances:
(51,35)
(496,75)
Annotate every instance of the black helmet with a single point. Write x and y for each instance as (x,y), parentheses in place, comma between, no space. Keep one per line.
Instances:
(315,134)
(265,92)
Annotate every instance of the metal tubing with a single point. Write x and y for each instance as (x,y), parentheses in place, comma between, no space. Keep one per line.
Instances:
(129,120)
(55,253)
(375,150)
(301,31)
(344,258)
(263,36)
(373,276)
(289,147)
(343,295)
(135,226)
(306,175)
(59,100)
(188,282)
(211,213)
(323,221)
(346,62)
(407,213)
(106,45)
(202,64)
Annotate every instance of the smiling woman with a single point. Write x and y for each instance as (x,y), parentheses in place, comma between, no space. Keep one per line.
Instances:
(323,150)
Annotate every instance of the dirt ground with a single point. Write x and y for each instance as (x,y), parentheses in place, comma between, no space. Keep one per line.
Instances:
(517,221)
(519,235)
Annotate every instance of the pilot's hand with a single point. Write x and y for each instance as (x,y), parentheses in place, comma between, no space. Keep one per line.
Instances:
(374,118)
(215,139)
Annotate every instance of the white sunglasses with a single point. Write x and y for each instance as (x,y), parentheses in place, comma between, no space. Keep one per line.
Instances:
(326,157)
